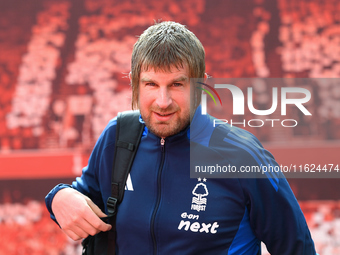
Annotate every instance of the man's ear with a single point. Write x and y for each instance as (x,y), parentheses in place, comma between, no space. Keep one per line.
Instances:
(206,76)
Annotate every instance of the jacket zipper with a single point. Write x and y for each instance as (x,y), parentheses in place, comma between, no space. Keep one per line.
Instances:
(152,226)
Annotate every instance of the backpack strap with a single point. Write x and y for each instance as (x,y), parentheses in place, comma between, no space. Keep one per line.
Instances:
(128,135)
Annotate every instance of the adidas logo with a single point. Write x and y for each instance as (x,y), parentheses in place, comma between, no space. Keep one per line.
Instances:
(128,185)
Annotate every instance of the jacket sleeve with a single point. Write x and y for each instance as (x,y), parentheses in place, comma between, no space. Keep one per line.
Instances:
(88,183)
(275,215)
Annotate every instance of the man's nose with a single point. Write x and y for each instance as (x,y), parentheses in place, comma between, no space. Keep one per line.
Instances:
(164,98)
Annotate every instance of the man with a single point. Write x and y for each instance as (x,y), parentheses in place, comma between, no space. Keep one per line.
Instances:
(166,212)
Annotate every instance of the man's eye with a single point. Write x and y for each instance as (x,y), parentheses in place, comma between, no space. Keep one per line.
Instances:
(177,84)
(150,84)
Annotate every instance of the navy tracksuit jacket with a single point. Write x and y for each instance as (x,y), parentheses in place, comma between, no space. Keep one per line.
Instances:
(164,211)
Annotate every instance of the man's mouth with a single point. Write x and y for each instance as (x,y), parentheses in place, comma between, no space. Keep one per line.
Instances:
(163,116)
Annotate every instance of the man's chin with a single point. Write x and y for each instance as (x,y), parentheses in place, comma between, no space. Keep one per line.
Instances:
(162,129)
(166,128)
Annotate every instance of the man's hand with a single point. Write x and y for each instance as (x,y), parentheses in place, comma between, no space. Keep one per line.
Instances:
(77,215)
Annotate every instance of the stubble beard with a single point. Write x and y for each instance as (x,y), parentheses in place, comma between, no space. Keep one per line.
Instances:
(165,128)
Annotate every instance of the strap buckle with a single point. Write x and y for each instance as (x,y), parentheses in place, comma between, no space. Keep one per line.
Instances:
(111,205)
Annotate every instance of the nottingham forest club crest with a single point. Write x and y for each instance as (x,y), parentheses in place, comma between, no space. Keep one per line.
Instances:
(200,191)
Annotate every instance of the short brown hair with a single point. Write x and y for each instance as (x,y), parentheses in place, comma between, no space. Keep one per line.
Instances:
(162,46)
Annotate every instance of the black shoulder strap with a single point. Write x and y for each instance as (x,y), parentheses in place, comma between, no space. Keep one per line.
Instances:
(128,135)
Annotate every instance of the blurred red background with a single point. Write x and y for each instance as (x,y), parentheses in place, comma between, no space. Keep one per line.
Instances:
(63,76)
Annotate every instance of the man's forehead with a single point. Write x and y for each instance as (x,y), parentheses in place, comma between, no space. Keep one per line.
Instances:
(176,74)
(163,67)
(147,78)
